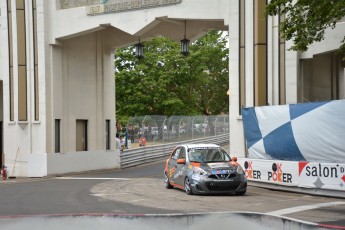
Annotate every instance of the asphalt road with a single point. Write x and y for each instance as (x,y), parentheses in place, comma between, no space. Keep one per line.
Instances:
(140,190)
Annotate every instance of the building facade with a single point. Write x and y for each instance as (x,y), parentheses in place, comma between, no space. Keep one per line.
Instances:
(271,74)
(57,85)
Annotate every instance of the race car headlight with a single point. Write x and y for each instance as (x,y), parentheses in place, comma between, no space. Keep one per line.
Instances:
(200,171)
(240,170)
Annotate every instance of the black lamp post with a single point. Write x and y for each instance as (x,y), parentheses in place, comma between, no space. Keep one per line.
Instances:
(139,49)
(185,42)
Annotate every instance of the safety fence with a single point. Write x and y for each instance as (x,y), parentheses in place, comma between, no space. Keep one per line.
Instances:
(142,155)
(162,129)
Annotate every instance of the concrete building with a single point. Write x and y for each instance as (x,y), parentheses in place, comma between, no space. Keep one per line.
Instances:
(57,84)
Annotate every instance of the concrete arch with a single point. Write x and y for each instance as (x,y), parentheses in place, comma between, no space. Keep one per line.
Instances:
(126,26)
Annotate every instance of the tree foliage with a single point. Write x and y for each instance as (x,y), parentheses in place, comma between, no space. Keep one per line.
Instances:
(306,20)
(165,82)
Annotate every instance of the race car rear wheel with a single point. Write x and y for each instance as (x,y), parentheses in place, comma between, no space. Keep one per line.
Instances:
(167,182)
(187,186)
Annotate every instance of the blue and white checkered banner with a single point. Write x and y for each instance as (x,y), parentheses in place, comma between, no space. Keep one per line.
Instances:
(297,132)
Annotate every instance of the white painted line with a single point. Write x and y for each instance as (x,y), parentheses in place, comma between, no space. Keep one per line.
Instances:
(110,194)
(133,201)
(304,208)
(100,195)
(6,181)
(89,178)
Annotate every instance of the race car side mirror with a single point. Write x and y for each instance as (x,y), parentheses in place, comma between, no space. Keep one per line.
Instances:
(234,159)
(181,161)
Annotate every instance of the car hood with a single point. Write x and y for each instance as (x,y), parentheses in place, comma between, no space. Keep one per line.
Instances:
(218,166)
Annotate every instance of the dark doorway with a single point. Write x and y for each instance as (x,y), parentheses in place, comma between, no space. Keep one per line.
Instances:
(1,125)
(1,152)
(81,136)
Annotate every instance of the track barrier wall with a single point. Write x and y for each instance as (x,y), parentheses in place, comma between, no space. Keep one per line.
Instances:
(306,177)
(184,221)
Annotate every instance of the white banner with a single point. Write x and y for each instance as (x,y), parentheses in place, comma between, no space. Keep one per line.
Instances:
(292,173)
(322,175)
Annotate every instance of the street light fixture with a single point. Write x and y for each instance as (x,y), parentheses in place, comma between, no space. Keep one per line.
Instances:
(185,42)
(139,49)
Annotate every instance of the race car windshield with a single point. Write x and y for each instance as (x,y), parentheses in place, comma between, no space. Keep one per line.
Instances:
(208,155)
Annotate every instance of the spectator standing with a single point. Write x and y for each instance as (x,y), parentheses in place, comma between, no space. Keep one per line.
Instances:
(118,142)
(131,134)
(122,143)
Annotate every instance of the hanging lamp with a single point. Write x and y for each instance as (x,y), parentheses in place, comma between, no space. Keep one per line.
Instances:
(139,49)
(185,42)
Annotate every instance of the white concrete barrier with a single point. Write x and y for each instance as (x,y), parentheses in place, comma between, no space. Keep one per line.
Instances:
(255,221)
(40,165)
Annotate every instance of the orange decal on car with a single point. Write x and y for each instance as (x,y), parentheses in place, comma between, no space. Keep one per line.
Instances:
(195,164)
(171,172)
(177,185)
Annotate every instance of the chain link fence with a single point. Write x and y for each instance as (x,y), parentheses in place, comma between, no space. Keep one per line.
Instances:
(155,129)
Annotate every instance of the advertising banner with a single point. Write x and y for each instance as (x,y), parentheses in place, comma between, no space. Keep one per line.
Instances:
(298,174)
(322,175)
(276,172)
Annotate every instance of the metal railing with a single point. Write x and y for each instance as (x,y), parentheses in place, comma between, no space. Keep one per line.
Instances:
(142,155)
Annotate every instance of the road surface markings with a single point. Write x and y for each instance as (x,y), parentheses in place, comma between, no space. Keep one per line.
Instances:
(7,181)
(111,194)
(304,208)
(89,178)
(134,201)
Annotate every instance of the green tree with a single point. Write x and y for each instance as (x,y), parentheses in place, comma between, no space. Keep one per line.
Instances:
(165,82)
(306,20)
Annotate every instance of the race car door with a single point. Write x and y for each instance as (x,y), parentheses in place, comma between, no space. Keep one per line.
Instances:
(180,171)
(175,170)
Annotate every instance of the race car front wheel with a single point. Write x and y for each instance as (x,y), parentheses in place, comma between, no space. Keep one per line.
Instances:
(187,186)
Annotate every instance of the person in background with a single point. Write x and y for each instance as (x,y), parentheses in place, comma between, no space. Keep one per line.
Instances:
(118,142)
(131,134)
(126,139)
(122,143)
(142,141)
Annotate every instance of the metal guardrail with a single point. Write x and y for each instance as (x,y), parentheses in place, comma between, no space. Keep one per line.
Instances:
(142,155)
